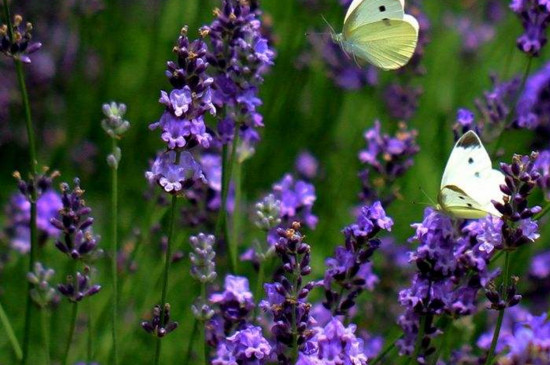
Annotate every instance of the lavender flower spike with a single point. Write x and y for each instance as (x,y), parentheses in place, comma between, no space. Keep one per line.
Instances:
(114,125)
(157,326)
(534,16)
(173,175)
(203,266)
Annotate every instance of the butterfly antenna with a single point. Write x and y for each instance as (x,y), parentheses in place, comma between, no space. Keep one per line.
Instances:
(330,26)
(433,203)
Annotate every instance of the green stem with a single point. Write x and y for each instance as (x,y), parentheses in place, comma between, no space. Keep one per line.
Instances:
(419,337)
(386,351)
(114,253)
(191,341)
(90,332)
(74,313)
(514,105)
(227,169)
(32,169)
(204,345)
(10,333)
(167,261)
(260,279)
(496,333)
(44,320)
(543,212)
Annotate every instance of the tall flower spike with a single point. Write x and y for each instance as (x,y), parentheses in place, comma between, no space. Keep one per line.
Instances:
(203,266)
(348,272)
(16,42)
(75,224)
(182,123)
(78,288)
(175,175)
(241,55)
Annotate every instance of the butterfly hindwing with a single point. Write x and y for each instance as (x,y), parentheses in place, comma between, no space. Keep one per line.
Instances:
(457,203)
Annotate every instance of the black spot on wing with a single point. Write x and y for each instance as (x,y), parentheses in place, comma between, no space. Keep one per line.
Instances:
(382,8)
(461,197)
(469,205)
(470,160)
(477,174)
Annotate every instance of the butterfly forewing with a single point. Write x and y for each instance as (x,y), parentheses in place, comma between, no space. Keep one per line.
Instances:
(469,170)
(457,203)
(363,12)
(387,44)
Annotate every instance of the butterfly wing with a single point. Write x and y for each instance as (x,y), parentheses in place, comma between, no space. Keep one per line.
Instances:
(363,12)
(455,202)
(388,44)
(469,170)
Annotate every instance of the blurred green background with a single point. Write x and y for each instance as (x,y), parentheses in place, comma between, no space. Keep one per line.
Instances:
(120,55)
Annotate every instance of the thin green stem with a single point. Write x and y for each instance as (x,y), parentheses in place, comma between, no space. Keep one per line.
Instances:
(167,261)
(191,341)
(496,333)
(386,351)
(32,169)
(227,170)
(90,348)
(4,319)
(543,212)
(514,105)
(204,345)
(260,279)
(74,313)
(419,337)
(45,324)
(114,253)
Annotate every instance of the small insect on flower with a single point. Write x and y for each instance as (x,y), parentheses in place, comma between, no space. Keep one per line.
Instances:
(469,183)
(379,32)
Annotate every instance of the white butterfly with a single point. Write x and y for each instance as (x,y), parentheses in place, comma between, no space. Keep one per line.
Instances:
(469,182)
(379,32)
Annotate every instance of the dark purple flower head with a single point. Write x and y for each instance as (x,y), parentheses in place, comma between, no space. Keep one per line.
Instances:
(402,101)
(334,344)
(287,296)
(160,325)
(247,346)
(386,158)
(240,56)
(236,302)
(16,42)
(520,179)
(78,288)
(534,16)
(496,104)
(182,123)
(175,173)
(75,224)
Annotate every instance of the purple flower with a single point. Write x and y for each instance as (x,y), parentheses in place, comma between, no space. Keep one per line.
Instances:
(182,123)
(76,290)
(402,101)
(235,302)
(540,266)
(465,121)
(240,56)
(533,107)
(174,176)
(534,16)
(297,198)
(16,42)
(18,212)
(307,165)
(386,158)
(474,34)
(247,346)
(334,344)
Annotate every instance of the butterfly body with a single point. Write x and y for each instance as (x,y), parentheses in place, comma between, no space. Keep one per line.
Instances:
(469,183)
(379,32)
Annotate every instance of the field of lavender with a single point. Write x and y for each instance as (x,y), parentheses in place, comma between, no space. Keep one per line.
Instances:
(126,126)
